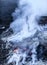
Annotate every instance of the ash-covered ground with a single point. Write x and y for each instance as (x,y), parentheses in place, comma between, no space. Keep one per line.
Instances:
(23,32)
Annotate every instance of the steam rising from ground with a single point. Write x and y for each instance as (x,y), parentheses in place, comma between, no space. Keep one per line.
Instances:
(25,22)
(25,18)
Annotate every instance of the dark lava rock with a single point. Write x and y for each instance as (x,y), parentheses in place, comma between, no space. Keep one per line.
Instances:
(7,33)
(42,52)
(42,20)
(4,52)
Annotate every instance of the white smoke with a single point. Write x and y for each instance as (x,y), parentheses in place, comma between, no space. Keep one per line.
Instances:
(17,56)
(25,22)
(25,18)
